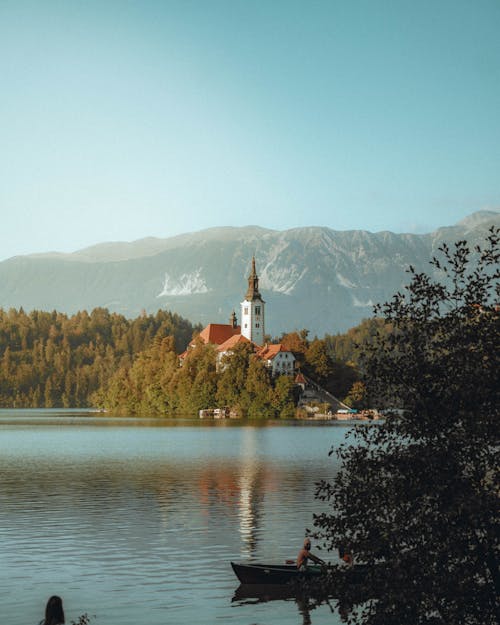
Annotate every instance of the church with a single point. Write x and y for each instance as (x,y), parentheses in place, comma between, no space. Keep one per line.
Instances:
(276,357)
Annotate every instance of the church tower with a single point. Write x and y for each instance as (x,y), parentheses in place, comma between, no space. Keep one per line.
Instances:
(252,310)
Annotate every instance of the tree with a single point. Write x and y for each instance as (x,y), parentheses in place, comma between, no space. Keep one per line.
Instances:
(297,343)
(342,379)
(231,384)
(416,497)
(347,347)
(282,397)
(195,383)
(356,396)
(318,362)
(258,388)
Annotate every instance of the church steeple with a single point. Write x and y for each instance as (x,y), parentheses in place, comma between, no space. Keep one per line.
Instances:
(252,310)
(253,284)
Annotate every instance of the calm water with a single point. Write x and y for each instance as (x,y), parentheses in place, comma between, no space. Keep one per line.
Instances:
(136,521)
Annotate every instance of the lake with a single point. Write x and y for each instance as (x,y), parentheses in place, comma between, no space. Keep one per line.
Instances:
(136,520)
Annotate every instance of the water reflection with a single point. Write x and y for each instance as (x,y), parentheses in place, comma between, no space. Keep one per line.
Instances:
(249,499)
(122,519)
(253,594)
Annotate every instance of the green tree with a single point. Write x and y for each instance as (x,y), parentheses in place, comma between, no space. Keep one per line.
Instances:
(416,498)
(257,386)
(194,384)
(348,347)
(356,398)
(231,384)
(282,397)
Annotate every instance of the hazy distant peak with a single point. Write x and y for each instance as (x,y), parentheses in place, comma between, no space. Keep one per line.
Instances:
(116,251)
(230,232)
(101,251)
(112,251)
(479,217)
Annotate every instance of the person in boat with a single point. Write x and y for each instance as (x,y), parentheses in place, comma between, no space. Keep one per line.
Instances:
(305,555)
(54,613)
(345,555)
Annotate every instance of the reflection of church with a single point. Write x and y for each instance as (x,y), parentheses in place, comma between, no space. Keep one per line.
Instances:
(225,337)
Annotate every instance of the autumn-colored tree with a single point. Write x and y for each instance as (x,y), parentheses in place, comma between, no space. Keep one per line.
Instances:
(318,361)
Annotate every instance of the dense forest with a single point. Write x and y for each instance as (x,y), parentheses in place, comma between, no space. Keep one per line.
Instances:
(102,359)
(48,359)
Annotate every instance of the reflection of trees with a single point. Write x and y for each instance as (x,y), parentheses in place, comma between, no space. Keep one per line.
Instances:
(156,494)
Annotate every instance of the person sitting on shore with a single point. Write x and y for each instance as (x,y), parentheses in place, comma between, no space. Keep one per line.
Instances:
(54,613)
(305,555)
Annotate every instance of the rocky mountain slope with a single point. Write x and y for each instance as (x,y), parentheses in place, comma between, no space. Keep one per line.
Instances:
(315,277)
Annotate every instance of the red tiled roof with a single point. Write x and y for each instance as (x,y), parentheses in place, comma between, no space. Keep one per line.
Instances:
(268,352)
(232,341)
(300,379)
(218,333)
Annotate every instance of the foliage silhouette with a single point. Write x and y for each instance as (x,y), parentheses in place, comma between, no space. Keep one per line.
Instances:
(416,498)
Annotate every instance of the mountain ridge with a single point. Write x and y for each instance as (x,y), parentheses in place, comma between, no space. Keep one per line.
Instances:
(161,244)
(315,277)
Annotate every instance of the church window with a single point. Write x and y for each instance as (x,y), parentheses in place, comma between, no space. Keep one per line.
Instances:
(246,311)
(257,310)
(246,326)
(257,325)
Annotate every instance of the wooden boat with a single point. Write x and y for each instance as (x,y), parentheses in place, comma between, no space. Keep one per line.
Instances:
(275,574)
(267,575)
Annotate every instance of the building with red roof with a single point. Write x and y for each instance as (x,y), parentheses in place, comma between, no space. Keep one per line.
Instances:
(276,357)
(225,336)
(218,333)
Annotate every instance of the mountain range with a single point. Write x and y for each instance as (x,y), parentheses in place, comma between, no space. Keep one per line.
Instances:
(316,278)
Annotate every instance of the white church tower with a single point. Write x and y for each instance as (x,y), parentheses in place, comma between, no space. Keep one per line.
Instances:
(252,310)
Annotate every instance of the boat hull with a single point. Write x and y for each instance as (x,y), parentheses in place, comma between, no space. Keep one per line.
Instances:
(274,574)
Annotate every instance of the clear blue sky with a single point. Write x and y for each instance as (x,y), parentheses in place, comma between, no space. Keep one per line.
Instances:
(120,120)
